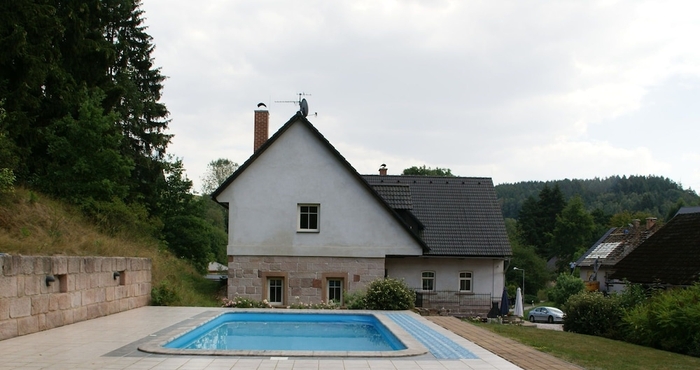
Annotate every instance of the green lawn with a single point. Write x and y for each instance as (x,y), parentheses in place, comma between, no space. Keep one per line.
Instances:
(594,352)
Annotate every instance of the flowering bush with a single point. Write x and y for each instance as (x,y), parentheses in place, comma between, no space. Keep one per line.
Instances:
(389,294)
(330,305)
(240,302)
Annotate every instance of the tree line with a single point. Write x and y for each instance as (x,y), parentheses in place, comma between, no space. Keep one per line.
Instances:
(656,195)
(81,119)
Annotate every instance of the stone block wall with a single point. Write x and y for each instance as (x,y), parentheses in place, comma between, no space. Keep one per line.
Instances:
(304,277)
(83,288)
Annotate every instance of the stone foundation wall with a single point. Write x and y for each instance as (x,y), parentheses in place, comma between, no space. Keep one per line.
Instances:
(83,288)
(304,277)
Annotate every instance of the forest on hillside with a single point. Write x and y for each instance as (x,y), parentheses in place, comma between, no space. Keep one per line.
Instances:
(656,195)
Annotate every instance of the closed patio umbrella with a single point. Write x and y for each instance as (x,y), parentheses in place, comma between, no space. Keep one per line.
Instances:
(518,304)
(504,303)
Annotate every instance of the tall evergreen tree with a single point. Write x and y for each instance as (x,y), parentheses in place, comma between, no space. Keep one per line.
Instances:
(537,219)
(86,161)
(52,53)
(29,68)
(135,97)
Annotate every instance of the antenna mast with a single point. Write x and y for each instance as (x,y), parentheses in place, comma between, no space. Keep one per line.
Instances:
(303,105)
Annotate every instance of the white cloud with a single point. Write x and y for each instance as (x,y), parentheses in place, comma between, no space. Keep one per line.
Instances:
(518,91)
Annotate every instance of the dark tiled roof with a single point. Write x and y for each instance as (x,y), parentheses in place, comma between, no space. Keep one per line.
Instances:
(397,196)
(460,215)
(670,256)
(615,244)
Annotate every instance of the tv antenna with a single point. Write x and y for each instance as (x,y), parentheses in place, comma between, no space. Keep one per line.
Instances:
(302,103)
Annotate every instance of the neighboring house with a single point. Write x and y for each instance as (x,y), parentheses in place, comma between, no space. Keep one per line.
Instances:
(670,257)
(304,225)
(599,261)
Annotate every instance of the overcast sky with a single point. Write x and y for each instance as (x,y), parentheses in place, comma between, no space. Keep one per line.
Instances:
(513,90)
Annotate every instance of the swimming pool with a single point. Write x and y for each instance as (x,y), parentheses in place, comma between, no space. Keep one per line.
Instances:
(297,332)
(272,332)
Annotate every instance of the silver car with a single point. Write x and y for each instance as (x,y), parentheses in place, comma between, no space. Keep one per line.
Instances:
(546,314)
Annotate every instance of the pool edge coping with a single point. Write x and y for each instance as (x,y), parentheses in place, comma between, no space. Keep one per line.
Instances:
(413,345)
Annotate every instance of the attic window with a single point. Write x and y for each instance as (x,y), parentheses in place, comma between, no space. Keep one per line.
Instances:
(308,217)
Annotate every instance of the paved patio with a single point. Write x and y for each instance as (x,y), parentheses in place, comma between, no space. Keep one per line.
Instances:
(110,343)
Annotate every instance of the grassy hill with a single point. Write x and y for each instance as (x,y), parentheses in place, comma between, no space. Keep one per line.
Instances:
(35,224)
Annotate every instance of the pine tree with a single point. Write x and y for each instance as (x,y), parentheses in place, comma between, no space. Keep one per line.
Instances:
(135,97)
(537,219)
(86,162)
(28,72)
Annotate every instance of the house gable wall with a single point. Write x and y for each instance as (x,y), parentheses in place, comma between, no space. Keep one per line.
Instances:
(298,168)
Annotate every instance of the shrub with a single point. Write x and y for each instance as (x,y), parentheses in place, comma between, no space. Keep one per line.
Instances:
(241,302)
(670,320)
(389,294)
(566,286)
(355,300)
(7,180)
(163,295)
(593,313)
(115,217)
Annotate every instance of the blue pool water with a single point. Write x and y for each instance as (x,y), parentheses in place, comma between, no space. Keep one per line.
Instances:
(290,331)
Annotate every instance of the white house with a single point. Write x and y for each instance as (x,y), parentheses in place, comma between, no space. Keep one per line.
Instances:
(303,224)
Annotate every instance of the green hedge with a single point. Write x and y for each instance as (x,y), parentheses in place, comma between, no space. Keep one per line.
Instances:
(669,320)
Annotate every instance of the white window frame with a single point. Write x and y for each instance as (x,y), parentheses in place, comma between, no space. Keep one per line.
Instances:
(308,213)
(280,288)
(465,278)
(424,278)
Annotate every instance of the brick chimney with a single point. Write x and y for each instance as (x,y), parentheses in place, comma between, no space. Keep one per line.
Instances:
(651,222)
(382,170)
(262,124)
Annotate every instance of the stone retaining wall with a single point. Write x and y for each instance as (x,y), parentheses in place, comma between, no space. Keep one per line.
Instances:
(83,288)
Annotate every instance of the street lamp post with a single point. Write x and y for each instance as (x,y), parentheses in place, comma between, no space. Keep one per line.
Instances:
(517,269)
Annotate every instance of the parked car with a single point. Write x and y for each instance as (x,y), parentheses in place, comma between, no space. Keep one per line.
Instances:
(546,314)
